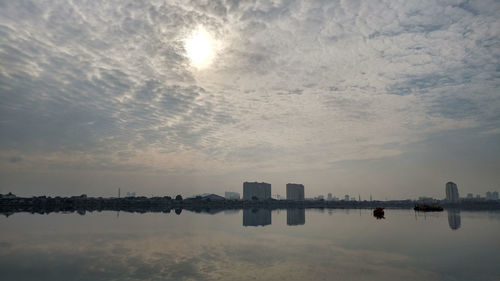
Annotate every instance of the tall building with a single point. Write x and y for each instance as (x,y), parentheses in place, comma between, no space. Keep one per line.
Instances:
(492,195)
(346,197)
(451,192)
(488,196)
(294,191)
(231,195)
(329,198)
(259,190)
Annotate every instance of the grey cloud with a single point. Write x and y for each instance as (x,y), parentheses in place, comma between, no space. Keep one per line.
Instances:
(455,108)
(335,79)
(419,85)
(62,90)
(15,159)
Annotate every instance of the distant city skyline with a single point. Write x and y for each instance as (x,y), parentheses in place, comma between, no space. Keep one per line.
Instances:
(386,98)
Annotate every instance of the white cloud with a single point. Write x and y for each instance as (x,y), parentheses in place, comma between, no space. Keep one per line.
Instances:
(335,81)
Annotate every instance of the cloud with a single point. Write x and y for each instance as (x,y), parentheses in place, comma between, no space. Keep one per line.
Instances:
(292,81)
(15,159)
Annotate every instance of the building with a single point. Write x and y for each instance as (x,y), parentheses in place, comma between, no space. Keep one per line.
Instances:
(452,192)
(232,195)
(346,197)
(295,216)
(213,197)
(329,198)
(256,190)
(294,191)
(488,195)
(492,195)
(256,217)
(470,196)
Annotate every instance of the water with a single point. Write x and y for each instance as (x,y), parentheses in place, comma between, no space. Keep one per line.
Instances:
(292,245)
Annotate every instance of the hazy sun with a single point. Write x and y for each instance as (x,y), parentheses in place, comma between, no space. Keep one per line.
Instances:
(199,47)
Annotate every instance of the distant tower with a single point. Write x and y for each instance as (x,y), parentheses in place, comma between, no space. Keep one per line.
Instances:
(329,198)
(359,197)
(371,198)
(259,190)
(494,195)
(451,192)
(119,192)
(488,196)
(294,191)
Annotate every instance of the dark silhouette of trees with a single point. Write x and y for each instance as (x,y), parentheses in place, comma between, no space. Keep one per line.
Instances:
(178,198)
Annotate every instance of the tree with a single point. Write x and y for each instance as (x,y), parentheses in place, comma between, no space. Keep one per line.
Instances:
(178,198)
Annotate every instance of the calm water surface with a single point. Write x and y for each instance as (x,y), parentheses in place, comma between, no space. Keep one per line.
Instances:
(251,245)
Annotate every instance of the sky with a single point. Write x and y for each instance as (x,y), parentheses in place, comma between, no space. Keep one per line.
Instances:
(389,98)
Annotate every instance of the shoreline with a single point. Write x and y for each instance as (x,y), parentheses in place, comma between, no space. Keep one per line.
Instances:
(82,204)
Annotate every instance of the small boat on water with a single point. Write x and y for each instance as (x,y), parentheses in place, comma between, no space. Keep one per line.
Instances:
(379,213)
(428,208)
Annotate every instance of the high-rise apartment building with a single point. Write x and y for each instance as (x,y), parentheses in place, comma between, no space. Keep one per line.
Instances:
(294,191)
(452,192)
(257,190)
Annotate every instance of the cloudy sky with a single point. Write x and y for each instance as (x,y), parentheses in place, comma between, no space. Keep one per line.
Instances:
(392,98)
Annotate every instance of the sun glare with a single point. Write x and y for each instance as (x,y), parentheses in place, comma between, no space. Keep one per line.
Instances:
(199,47)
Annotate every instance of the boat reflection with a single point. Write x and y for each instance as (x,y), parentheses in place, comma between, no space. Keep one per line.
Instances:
(379,213)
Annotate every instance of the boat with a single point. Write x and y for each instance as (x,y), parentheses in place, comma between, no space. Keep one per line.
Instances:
(428,208)
(378,213)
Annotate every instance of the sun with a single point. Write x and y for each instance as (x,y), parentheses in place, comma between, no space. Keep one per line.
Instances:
(199,46)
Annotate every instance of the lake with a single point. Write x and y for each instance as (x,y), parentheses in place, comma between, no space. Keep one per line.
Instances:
(258,244)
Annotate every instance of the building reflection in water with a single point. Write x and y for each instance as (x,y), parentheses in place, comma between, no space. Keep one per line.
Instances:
(454,219)
(256,217)
(295,216)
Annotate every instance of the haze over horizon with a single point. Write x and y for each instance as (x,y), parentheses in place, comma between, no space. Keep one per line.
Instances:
(390,98)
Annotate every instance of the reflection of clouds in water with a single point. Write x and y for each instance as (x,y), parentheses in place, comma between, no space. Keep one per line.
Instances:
(490,214)
(202,257)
